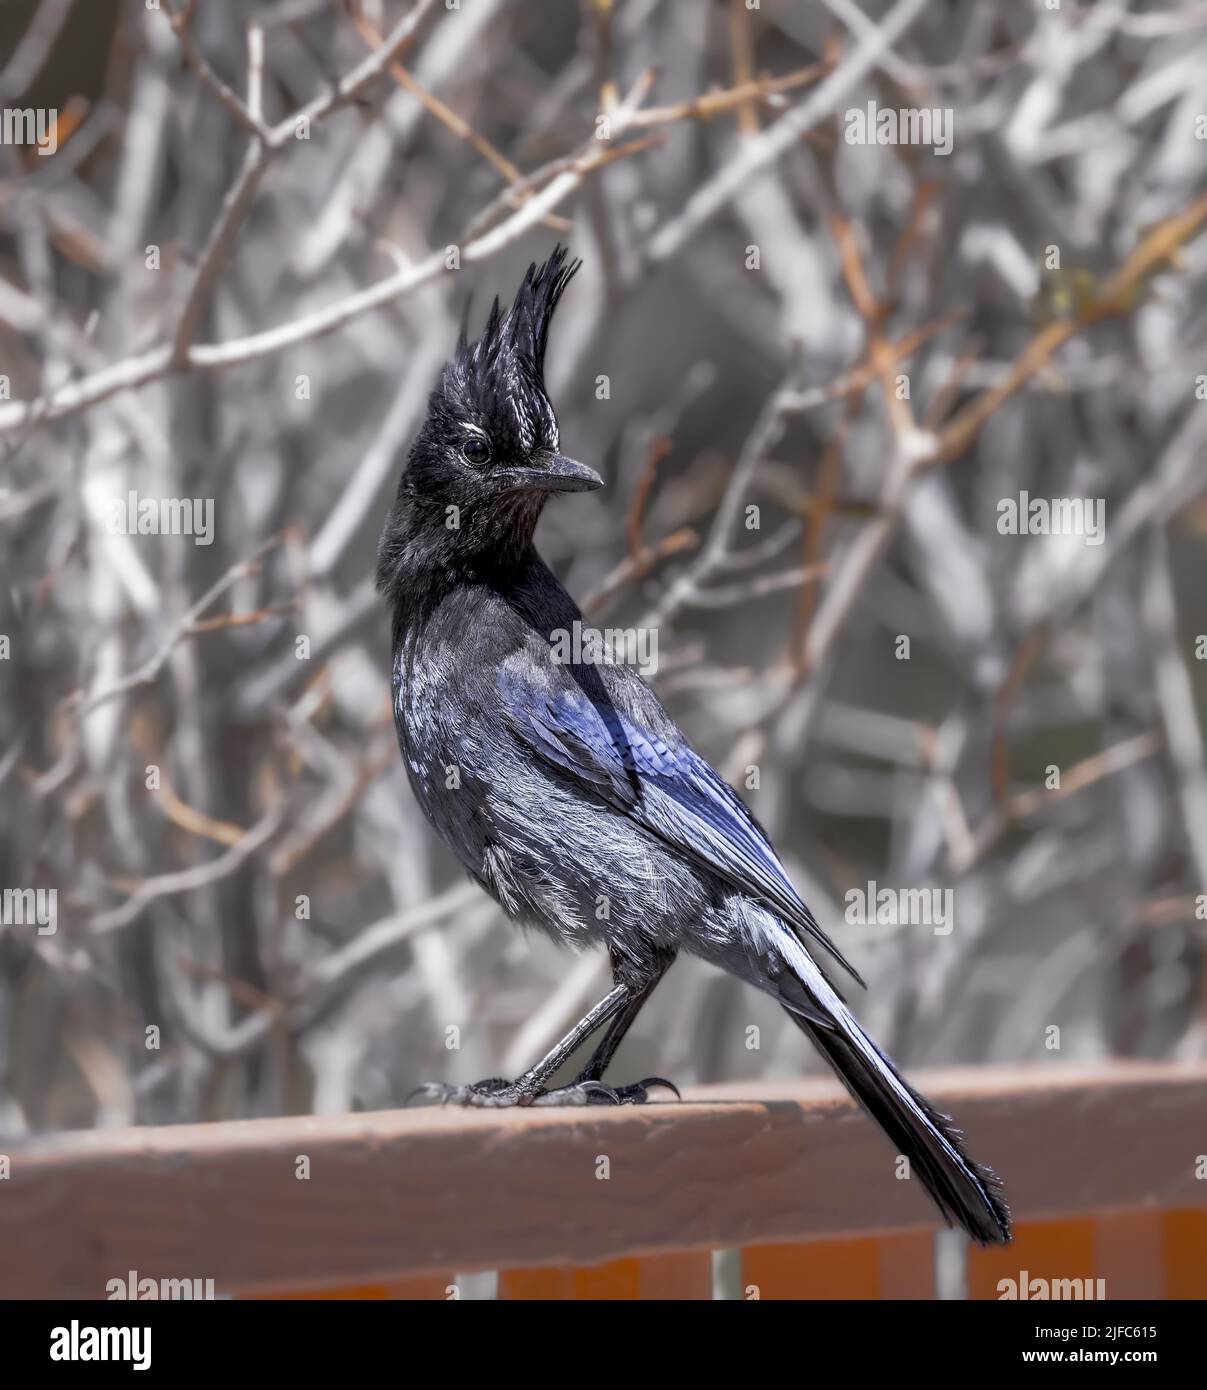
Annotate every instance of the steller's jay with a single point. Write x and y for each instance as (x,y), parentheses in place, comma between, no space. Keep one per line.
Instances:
(561,786)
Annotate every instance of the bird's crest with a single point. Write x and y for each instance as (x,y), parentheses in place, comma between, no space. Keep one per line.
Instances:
(500,375)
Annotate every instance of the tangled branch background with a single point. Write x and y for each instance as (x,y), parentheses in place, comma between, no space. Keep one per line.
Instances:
(811,370)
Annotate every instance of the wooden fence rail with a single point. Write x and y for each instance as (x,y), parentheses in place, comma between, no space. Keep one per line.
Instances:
(393,1203)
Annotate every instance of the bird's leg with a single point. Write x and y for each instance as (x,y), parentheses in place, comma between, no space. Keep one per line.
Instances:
(530,1088)
(586,1088)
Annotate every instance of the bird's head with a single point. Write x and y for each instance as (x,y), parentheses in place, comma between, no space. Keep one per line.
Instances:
(488,455)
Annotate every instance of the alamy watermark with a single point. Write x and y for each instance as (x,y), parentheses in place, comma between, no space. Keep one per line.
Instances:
(131,1286)
(37,126)
(912,125)
(1032,1288)
(30,907)
(133,515)
(78,1341)
(875,906)
(1025,515)
(580,645)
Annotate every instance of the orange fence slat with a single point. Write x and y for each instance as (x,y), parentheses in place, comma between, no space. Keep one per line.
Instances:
(687,1275)
(866,1267)
(615,1280)
(1185,1248)
(536,1283)
(1129,1254)
(426,1288)
(618,1279)
(1044,1250)
(421,1289)
(907,1265)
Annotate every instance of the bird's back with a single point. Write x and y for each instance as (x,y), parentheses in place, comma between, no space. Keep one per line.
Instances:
(546,833)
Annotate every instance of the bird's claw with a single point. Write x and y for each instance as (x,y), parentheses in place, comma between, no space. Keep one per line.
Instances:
(599,1093)
(579,1093)
(495,1091)
(638,1092)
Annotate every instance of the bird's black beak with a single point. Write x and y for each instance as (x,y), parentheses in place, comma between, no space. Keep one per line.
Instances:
(557,474)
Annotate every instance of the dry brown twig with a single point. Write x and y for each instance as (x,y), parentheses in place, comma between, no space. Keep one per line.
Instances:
(919,450)
(517,193)
(190,880)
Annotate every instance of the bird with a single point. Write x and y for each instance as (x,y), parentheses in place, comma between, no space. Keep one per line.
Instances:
(561,783)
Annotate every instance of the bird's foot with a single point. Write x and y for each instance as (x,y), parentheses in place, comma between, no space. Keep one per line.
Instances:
(588,1092)
(495,1091)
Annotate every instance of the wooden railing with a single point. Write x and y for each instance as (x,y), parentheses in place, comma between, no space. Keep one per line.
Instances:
(1106,1171)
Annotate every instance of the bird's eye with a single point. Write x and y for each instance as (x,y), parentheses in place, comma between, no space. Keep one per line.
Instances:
(475,450)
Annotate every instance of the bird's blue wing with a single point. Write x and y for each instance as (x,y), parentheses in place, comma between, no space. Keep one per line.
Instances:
(657,780)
